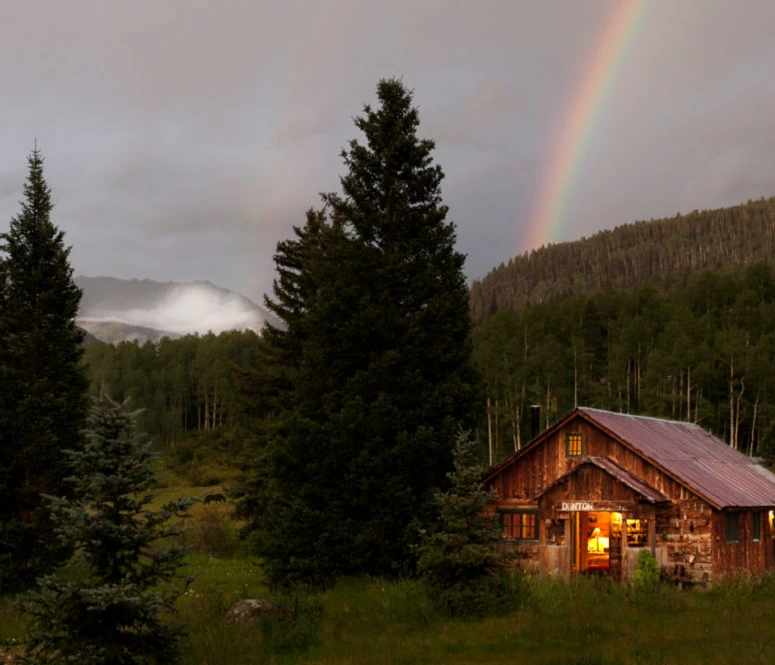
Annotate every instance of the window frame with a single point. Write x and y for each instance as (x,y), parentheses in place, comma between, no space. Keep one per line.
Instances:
(732,527)
(568,436)
(756,524)
(522,512)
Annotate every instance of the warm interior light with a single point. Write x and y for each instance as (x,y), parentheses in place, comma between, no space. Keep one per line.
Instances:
(616,519)
(597,543)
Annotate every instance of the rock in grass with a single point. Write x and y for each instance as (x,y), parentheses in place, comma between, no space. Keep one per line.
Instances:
(245,611)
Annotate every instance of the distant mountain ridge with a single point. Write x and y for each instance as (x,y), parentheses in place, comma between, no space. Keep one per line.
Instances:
(631,255)
(115,309)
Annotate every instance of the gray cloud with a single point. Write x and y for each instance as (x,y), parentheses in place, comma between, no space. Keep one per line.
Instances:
(183,138)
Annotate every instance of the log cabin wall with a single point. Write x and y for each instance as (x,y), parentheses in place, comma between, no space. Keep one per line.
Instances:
(684,540)
(744,551)
(588,484)
(528,555)
(690,538)
(538,468)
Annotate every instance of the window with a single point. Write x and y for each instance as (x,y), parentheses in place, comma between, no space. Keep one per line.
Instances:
(637,532)
(574,444)
(520,524)
(733,527)
(757,525)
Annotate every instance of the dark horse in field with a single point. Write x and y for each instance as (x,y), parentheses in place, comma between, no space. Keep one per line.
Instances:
(215,498)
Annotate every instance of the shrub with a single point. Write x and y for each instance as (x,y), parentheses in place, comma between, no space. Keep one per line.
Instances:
(203,477)
(646,576)
(211,532)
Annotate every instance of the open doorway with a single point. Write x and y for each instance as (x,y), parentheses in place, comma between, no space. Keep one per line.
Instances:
(598,543)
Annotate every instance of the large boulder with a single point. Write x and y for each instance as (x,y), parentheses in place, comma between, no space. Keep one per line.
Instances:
(250,609)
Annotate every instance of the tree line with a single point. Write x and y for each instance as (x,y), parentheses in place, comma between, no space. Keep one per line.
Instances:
(660,252)
(704,353)
(184,385)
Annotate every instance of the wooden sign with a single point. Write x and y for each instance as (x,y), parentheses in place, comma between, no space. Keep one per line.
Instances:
(594,506)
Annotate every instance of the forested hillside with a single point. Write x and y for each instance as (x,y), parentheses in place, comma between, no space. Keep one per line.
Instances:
(662,252)
(184,385)
(703,353)
(693,344)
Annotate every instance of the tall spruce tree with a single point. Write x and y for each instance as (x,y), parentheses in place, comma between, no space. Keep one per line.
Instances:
(110,608)
(375,355)
(42,381)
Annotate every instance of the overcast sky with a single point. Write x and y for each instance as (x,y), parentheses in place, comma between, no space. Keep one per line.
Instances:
(183,138)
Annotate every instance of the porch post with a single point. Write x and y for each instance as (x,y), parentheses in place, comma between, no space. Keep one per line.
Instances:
(653,530)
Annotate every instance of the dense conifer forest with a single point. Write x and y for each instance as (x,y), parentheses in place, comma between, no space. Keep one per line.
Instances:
(704,352)
(657,338)
(184,385)
(659,252)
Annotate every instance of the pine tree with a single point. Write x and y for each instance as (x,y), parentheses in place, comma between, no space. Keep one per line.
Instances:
(462,558)
(110,613)
(42,381)
(375,357)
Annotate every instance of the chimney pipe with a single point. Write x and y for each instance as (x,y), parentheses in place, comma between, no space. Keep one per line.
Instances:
(535,420)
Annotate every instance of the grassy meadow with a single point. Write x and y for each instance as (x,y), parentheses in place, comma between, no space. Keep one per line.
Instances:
(379,621)
(374,621)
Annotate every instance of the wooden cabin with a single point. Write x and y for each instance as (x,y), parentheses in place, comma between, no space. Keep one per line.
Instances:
(588,494)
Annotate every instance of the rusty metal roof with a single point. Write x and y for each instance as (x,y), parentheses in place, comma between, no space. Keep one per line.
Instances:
(622,475)
(694,457)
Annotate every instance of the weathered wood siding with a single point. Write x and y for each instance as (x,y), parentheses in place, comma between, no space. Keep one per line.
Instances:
(683,548)
(538,468)
(537,556)
(688,537)
(747,554)
(589,483)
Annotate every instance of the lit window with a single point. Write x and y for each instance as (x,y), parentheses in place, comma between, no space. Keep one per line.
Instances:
(757,526)
(733,527)
(574,444)
(520,525)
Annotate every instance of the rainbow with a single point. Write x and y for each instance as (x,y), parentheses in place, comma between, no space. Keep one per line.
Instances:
(549,214)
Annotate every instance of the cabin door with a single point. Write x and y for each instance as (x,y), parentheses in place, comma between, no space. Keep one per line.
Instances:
(615,548)
(575,541)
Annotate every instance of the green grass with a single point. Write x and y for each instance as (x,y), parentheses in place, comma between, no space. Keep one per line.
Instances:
(367,621)
(230,578)
(377,621)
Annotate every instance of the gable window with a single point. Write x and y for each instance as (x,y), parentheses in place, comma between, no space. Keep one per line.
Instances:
(574,444)
(733,527)
(520,524)
(756,516)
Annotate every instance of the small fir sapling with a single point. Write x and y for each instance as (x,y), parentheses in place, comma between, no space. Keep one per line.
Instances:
(112,605)
(463,560)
